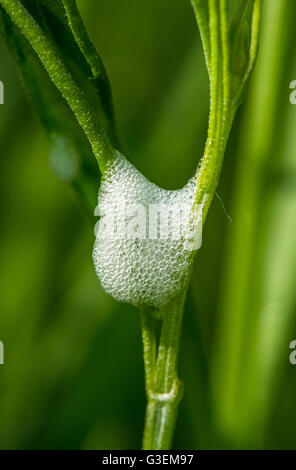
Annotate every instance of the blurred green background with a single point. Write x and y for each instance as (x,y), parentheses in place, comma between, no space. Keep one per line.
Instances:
(73,375)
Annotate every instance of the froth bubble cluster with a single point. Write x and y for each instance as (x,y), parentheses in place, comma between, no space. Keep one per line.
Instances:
(135,267)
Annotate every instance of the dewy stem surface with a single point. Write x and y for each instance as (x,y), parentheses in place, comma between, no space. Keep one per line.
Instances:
(164,389)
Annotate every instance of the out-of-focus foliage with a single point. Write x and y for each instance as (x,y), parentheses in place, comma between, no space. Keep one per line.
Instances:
(73,374)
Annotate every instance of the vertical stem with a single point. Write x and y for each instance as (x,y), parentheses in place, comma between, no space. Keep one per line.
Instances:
(209,171)
(163,387)
(149,344)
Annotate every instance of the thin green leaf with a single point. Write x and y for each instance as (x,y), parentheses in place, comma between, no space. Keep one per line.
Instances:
(202,16)
(94,60)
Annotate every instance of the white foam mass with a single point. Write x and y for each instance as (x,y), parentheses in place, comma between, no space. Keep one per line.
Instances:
(139,269)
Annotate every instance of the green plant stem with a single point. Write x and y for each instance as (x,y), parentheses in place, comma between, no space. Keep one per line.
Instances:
(221,115)
(63,80)
(163,388)
(223,100)
(149,345)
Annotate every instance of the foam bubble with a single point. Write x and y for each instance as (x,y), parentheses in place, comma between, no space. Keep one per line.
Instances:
(138,269)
